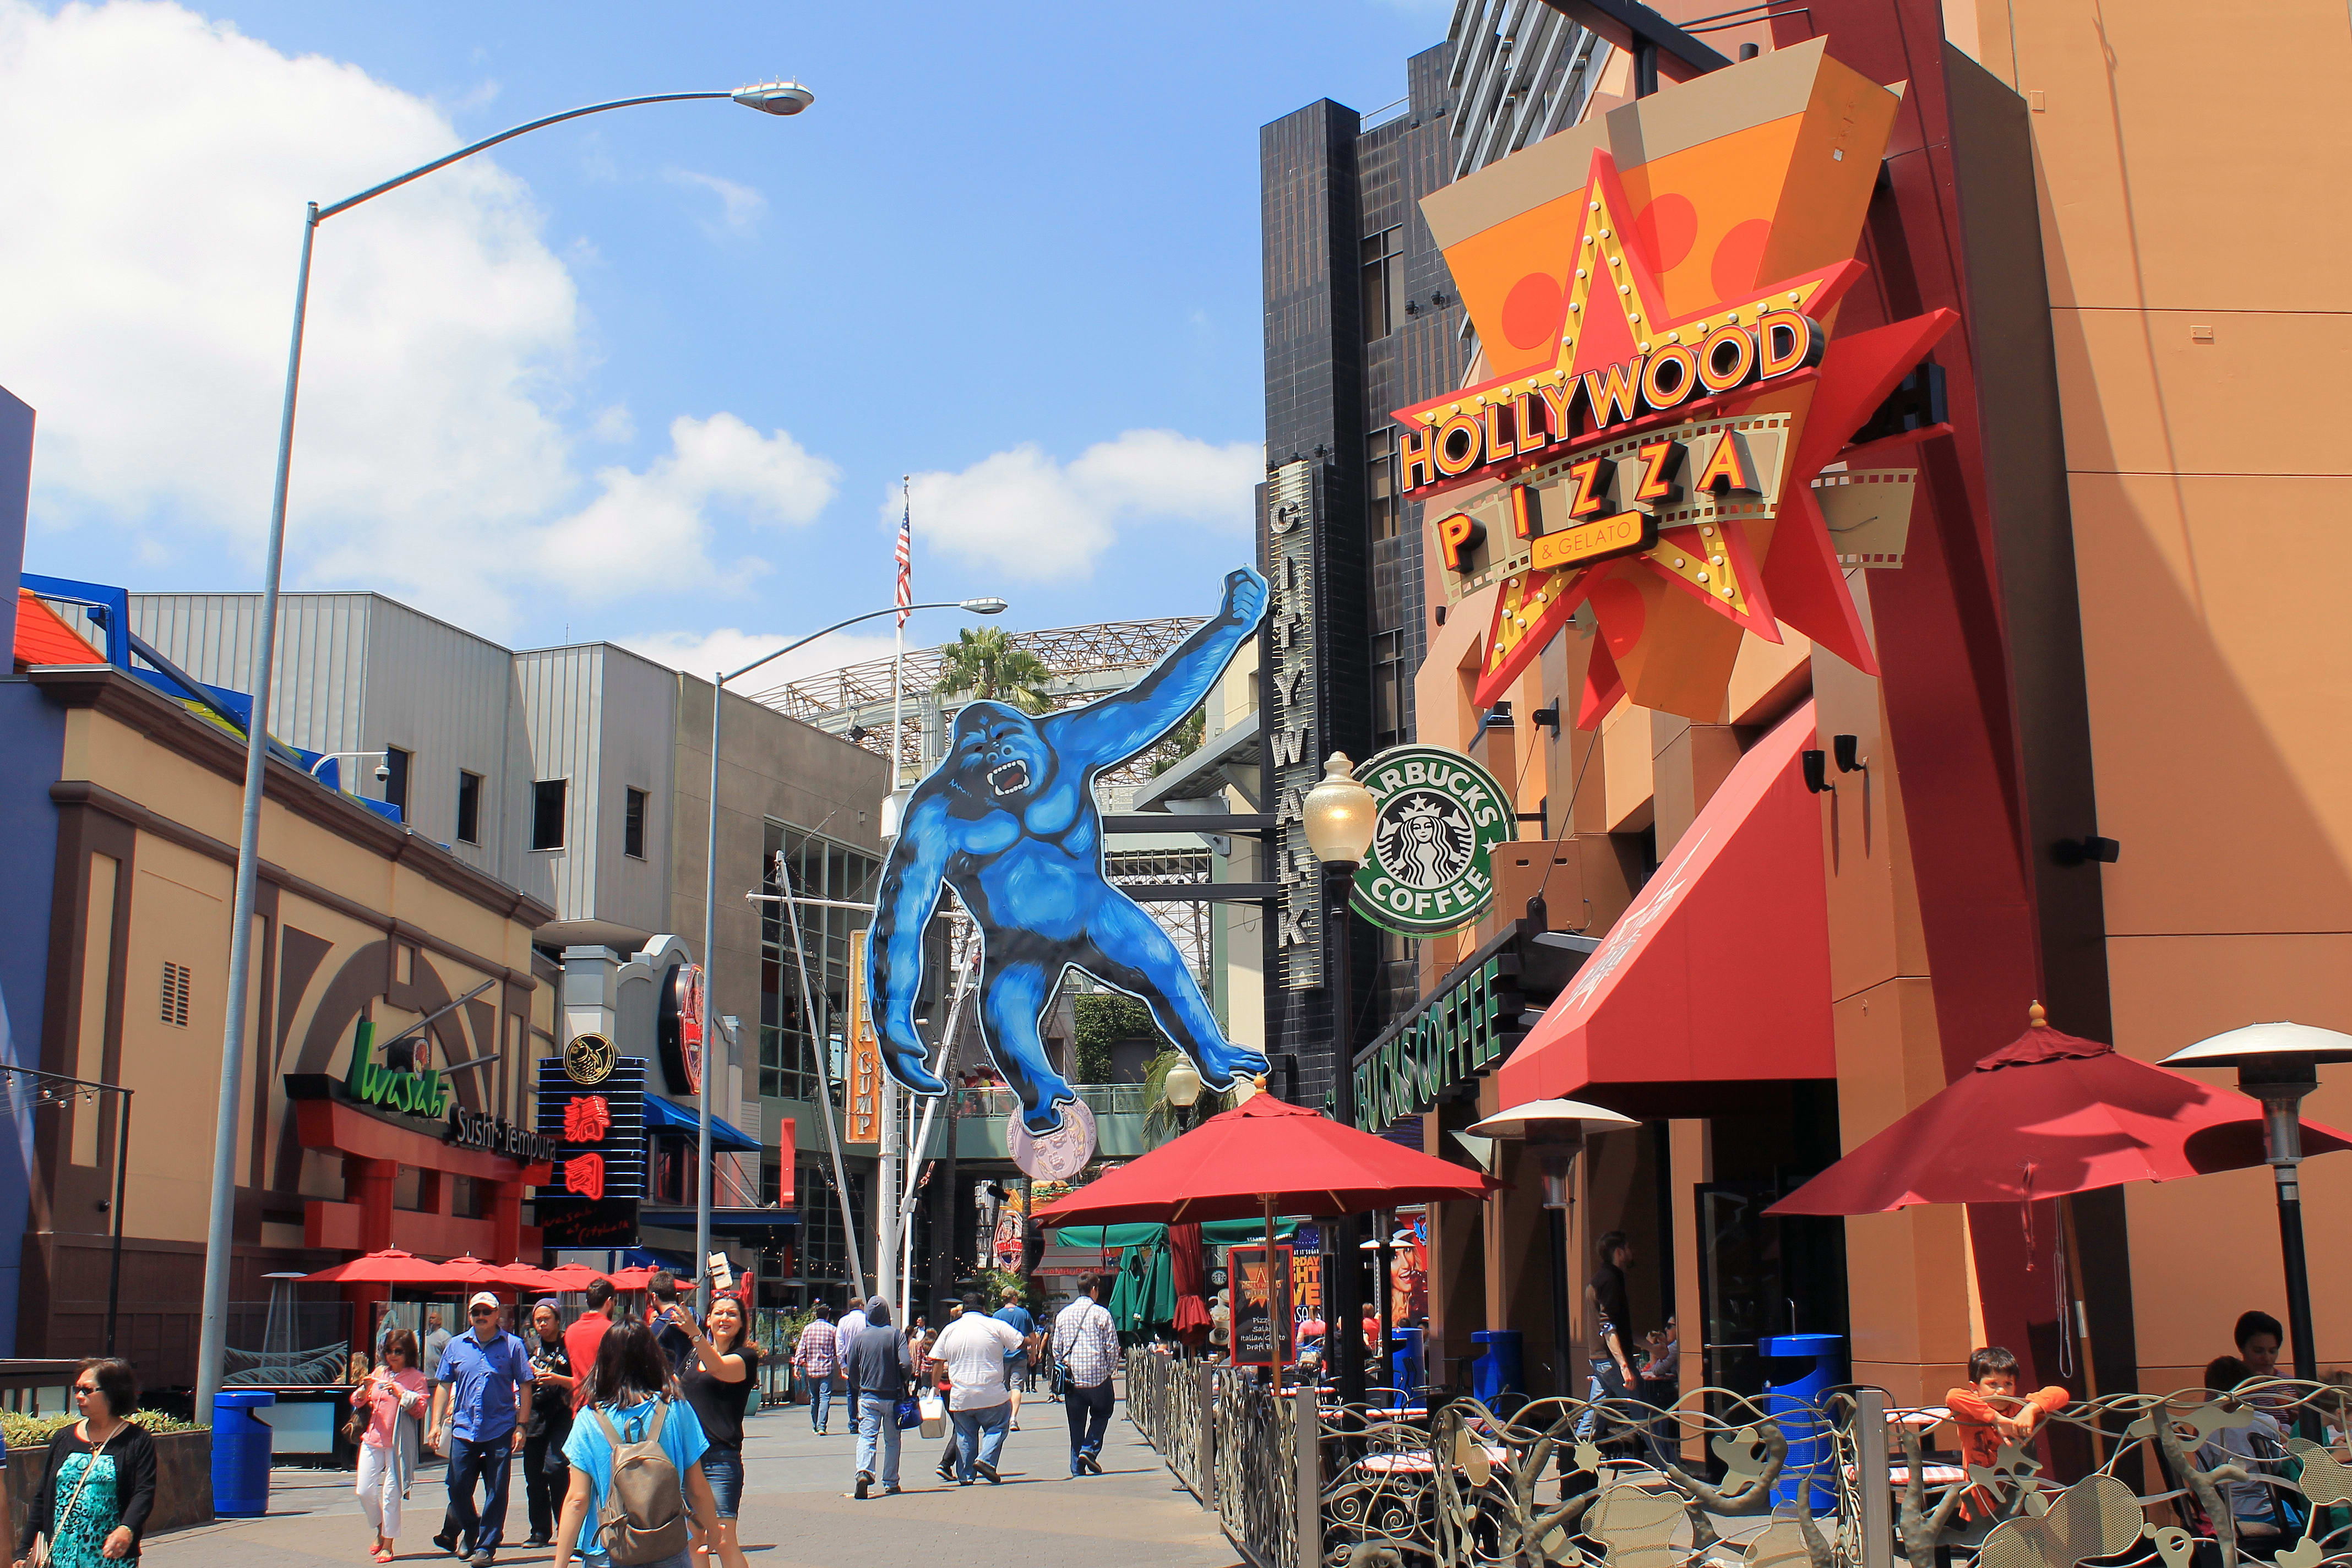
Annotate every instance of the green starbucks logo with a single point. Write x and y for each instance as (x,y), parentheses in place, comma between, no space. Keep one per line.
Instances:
(1441,814)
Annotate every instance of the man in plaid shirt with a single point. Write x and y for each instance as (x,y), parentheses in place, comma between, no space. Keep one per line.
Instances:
(817,1353)
(1086,1346)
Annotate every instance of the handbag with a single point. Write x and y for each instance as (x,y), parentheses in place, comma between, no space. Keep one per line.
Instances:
(38,1557)
(908,1414)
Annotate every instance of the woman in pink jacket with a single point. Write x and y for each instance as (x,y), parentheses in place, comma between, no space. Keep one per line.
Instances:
(394,1394)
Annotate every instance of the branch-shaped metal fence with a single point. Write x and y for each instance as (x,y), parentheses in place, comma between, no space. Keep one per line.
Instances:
(2194,1479)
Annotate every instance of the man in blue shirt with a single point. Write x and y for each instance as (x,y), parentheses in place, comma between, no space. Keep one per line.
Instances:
(1017,1374)
(481,1406)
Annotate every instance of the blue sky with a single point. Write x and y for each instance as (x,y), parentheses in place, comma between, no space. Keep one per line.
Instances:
(1006,246)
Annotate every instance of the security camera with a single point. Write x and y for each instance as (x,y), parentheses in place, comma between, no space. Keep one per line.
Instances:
(383,773)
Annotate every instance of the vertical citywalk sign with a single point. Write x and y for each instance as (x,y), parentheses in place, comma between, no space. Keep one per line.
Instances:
(1657,295)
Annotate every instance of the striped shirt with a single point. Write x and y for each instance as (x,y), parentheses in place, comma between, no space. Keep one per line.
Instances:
(1086,1342)
(816,1354)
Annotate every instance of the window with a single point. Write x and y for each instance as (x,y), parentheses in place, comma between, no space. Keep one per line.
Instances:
(396,788)
(1383,509)
(547,812)
(469,807)
(1383,276)
(175,995)
(791,1031)
(633,825)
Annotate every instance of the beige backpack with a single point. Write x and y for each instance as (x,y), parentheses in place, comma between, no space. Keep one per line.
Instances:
(643,1517)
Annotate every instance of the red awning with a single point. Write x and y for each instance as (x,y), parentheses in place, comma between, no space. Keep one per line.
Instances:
(1719,972)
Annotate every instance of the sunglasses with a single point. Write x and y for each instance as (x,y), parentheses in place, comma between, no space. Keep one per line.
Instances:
(85,1388)
(485,1311)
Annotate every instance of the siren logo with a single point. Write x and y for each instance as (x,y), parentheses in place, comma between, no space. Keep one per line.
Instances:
(1440,817)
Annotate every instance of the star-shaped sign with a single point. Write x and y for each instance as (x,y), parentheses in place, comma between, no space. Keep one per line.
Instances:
(1660,450)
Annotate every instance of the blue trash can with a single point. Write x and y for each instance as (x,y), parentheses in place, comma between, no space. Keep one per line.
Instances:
(1496,1372)
(1406,1360)
(240,1453)
(1800,1369)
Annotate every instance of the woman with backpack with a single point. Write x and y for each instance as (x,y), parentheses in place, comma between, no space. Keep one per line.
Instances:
(636,1453)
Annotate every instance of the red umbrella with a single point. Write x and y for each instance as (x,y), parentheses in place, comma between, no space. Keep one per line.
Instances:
(1266,1150)
(1190,1273)
(630,1279)
(525,1277)
(390,1267)
(2046,1115)
(571,1276)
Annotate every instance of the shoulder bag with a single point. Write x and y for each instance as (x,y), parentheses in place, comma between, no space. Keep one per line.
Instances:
(39,1557)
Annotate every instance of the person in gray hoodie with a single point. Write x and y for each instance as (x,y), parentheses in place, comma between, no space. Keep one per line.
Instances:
(880,1375)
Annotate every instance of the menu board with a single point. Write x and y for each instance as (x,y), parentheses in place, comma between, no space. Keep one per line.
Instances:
(1264,1323)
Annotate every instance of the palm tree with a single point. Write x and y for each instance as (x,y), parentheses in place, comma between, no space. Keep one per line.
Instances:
(1162,1118)
(987,664)
(1181,741)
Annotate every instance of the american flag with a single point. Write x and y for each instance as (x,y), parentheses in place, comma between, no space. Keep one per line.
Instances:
(905,561)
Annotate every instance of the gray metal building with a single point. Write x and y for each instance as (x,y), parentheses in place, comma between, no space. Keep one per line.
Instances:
(578,774)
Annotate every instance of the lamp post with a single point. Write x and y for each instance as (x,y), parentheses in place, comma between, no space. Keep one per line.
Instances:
(2278,1064)
(768,98)
(1181,1086)
(710,922)
(1340,818)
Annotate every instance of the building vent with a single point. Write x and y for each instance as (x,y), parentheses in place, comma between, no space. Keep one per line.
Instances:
(175,995)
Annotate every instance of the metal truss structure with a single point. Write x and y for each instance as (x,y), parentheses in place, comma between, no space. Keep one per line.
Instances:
(1186,921)
(1087,662)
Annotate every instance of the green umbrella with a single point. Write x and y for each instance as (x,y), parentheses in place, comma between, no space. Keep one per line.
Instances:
(1214,1233)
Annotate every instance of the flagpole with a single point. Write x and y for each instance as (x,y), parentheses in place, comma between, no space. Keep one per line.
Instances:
(886,1211)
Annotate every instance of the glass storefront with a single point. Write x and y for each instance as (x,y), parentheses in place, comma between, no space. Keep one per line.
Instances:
(789,1027)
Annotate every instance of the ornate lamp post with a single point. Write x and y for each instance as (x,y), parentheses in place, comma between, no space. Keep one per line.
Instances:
(1341,815)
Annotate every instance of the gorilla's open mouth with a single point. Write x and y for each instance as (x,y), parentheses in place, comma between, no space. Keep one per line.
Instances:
(1010,778)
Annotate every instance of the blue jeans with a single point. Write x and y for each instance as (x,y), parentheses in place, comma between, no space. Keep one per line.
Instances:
(980,1436)
(877,1423)
(820,1401)
(1088,1410)
(490,1461)
(723,1468)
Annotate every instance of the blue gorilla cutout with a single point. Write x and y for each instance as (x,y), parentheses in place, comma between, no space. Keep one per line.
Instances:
(1008,819)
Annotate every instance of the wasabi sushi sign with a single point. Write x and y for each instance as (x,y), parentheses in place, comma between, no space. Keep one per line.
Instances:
(422,1093)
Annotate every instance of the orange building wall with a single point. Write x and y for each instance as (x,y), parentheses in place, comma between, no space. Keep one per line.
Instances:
(2198,285)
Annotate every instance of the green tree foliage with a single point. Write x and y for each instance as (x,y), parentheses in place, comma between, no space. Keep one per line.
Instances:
(987,666)
(1105,1019)
(1162,1118)
(1181,741)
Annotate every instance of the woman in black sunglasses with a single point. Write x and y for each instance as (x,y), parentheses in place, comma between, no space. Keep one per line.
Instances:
(97,1483)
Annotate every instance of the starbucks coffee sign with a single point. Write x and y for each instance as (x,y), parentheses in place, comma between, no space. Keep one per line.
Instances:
(1441,814)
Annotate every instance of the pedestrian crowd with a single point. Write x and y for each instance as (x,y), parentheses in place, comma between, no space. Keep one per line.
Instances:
(629,1430)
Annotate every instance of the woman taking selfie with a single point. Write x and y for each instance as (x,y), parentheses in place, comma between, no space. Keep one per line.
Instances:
(393,1395)
(630,1399)
(720,1383)
(97,1483)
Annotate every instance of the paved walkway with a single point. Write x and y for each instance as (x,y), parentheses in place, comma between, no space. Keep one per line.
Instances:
(797,1512)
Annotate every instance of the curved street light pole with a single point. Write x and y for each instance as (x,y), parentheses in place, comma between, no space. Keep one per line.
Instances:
(771,97)
(709,931)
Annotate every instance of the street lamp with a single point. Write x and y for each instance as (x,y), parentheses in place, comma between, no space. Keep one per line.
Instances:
(1340,817)
(768,98)
(2278,1064)
(710,922)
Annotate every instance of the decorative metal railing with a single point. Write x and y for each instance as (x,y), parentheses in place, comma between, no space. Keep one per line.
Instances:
(2194,1477)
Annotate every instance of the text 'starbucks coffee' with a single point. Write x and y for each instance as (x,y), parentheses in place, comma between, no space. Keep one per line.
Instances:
(1441,814)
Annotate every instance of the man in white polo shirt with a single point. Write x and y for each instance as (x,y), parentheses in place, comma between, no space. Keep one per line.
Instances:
(973,1349)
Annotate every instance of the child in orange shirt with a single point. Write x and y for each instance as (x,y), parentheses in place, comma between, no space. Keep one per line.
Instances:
(1988,1413)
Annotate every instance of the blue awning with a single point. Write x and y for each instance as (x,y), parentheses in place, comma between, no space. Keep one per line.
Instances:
(661,1116)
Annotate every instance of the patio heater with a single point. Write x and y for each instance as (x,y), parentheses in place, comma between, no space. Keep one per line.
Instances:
(1340,816)
(2278,1064)
(1554,1131)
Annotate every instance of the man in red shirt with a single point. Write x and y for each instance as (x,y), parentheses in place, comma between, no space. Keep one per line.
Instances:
(586,1335)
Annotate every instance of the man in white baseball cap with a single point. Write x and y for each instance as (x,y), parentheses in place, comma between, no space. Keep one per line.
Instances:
(484,1383)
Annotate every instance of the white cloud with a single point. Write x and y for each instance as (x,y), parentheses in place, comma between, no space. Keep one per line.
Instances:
(739,205)
(1026,514)
(651,530)
(150,242)
(726,648)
